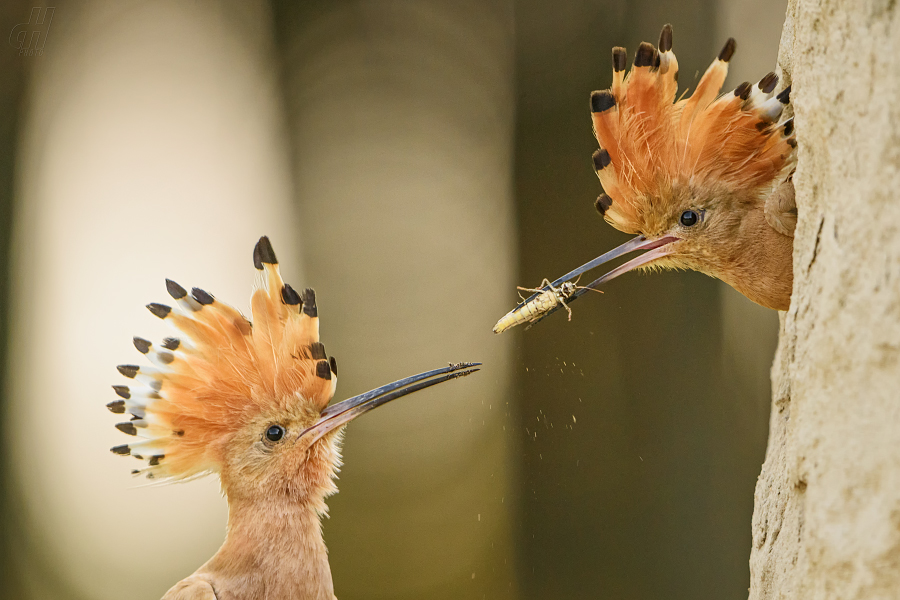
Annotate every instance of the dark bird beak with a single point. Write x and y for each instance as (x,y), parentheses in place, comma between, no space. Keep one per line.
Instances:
(656,248)
(341,413)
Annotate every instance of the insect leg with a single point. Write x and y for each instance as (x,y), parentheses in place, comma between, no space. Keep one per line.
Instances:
(563,302)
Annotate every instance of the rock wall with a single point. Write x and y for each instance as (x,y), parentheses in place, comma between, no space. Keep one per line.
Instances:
(827,517)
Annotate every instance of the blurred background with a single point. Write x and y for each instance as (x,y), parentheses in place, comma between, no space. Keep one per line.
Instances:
(413,161)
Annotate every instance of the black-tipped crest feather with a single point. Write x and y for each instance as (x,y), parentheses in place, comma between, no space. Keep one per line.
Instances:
(128,370)
(317,351)
(728,50)
(601,159)
(176,291)
(645,56)
(142,345)
(160,310)
(620,59)
(602,203)
(323,370)
(290,296)
(602,101)
(263,253)
(308,296)
(665,38)
(127,428)
(784,96)
(768,83)
(202,296)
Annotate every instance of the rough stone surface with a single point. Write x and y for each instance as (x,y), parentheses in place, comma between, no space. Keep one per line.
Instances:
(827,516)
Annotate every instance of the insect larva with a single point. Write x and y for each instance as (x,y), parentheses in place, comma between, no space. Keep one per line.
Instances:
(547,299)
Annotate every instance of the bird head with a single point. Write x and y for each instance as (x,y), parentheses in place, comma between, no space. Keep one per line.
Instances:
(246,400)
(692,177)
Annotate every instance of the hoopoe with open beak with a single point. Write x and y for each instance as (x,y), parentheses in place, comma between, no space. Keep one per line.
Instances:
(704,181)
(249,402)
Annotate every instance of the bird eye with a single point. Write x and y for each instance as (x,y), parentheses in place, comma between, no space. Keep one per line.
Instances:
(689,218)
(274,433)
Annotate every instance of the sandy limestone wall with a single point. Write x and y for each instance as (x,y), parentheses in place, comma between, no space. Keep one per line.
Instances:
(827,516)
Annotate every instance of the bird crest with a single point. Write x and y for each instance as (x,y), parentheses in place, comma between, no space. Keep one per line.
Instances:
(655,151)
(221,372)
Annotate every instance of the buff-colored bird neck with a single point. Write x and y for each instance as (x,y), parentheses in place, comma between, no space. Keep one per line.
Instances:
(273,551)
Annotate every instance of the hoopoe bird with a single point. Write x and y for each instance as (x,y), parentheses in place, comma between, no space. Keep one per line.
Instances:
(249,402)
(704,181)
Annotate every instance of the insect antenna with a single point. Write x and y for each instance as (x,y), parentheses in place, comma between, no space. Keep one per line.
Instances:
(583,287)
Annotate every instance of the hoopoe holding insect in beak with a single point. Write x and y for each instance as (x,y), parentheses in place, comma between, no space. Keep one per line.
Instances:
(704,181)
(248,401)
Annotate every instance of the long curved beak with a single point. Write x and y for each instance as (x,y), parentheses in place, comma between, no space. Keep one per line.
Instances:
(656,248)
(341,413)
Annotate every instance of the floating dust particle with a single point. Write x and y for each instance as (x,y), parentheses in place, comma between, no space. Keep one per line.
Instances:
(642,460)
(479,516)
(473,575)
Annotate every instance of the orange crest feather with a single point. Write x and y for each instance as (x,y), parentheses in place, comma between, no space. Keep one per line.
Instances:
(650,144)
(222,372)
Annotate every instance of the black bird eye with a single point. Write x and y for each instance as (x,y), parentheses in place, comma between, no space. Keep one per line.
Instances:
(689,218)
(274,433)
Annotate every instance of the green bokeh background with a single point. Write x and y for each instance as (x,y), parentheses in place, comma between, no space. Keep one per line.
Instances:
(635,432)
